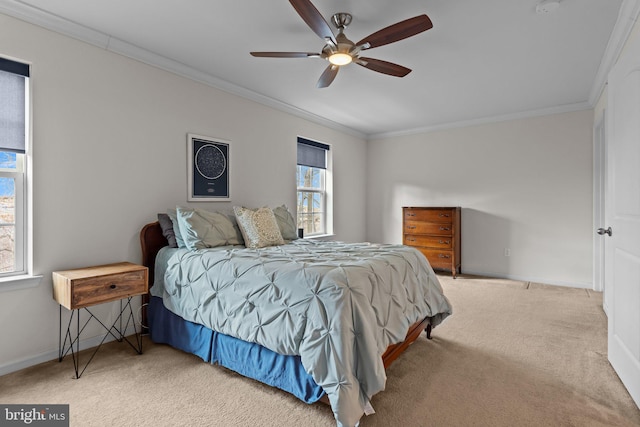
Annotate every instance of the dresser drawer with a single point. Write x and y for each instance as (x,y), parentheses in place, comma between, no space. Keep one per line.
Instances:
(444,242)
(429,215)
(439,259)
(438,229)
(95,285)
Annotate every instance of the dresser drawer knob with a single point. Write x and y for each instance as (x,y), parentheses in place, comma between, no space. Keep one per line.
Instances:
(411,227)
(113,286)
(446,242)
(411,214)
(411,240)
(443,256)
(445,228)
(444,215)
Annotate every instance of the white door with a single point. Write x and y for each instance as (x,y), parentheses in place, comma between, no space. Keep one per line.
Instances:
(622,250)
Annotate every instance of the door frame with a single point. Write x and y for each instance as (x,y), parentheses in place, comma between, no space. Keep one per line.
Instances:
(599,202)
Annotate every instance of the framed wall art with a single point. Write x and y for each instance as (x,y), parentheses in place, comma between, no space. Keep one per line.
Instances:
(208,169)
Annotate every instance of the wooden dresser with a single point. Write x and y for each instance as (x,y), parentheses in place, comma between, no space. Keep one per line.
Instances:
(435,231)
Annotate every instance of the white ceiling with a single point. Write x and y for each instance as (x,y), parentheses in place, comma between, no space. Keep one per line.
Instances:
(482,59)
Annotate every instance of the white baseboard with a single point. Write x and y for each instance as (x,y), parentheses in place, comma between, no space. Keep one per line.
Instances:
(528,279)
(53,354)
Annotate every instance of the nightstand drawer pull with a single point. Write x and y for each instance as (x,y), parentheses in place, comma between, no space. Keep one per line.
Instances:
(444,215)
(445,228)
(443,256)
(113,286)
(411,214)
(445,242)
(411,227)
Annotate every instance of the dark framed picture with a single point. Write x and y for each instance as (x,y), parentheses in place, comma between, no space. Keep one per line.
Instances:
(208,169)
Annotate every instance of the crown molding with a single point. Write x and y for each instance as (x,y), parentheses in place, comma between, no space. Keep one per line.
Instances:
(39,17)
(627,18)
(49,21)
(568,108)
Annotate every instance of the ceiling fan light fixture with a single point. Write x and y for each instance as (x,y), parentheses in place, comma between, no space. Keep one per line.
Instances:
(340,58)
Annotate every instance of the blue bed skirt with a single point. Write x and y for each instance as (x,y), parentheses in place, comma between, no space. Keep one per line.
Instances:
(248,359)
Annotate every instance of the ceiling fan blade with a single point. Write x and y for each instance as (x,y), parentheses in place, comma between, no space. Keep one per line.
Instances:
(383,67)
(285,54)
(313,18)
(399,31)
(327,76)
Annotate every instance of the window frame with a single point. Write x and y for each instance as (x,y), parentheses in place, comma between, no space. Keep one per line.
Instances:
(326,191)
(22,277)
(321,190)
(20,219)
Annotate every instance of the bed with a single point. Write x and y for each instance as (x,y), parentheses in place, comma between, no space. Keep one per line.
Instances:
(316,319)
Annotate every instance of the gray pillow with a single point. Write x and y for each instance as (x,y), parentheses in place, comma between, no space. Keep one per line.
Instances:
(167,229)
(203,229)
(173,215)
(286,223)
(236,228)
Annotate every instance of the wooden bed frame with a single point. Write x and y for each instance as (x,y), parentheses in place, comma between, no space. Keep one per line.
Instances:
(152,240)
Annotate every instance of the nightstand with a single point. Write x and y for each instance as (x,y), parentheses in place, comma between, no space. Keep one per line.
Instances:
(82,288)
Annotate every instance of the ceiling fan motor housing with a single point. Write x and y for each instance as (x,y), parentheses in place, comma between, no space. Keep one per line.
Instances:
(341,20)
(340,53)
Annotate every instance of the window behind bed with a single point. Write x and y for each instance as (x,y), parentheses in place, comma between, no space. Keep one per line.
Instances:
(313,178)
(14,87)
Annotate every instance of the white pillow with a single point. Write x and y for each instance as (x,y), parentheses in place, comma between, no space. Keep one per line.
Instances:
(259,227)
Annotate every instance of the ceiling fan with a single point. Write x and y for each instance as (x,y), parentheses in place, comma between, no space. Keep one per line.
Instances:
(339,50)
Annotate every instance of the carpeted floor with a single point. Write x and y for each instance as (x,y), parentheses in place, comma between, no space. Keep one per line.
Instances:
(512,354)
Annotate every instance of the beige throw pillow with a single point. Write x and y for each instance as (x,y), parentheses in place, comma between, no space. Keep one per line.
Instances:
(258,226)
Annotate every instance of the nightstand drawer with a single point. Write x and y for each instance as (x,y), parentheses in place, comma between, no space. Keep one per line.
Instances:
(108,288)
(96,285)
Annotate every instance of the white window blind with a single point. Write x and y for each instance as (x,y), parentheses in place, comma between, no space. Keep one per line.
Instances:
(12,105)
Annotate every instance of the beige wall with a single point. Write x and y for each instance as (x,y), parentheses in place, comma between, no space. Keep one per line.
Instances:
(109,152)
(522,184)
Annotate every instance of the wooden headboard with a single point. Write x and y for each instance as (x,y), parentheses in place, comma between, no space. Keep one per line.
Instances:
(151,241)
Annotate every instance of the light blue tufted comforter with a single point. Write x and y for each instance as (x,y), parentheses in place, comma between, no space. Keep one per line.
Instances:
(337,305)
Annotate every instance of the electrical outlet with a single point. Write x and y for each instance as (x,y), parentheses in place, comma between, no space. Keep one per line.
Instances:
(507,252)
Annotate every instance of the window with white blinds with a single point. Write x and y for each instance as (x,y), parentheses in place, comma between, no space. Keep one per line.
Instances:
(312,179)
(14,119)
